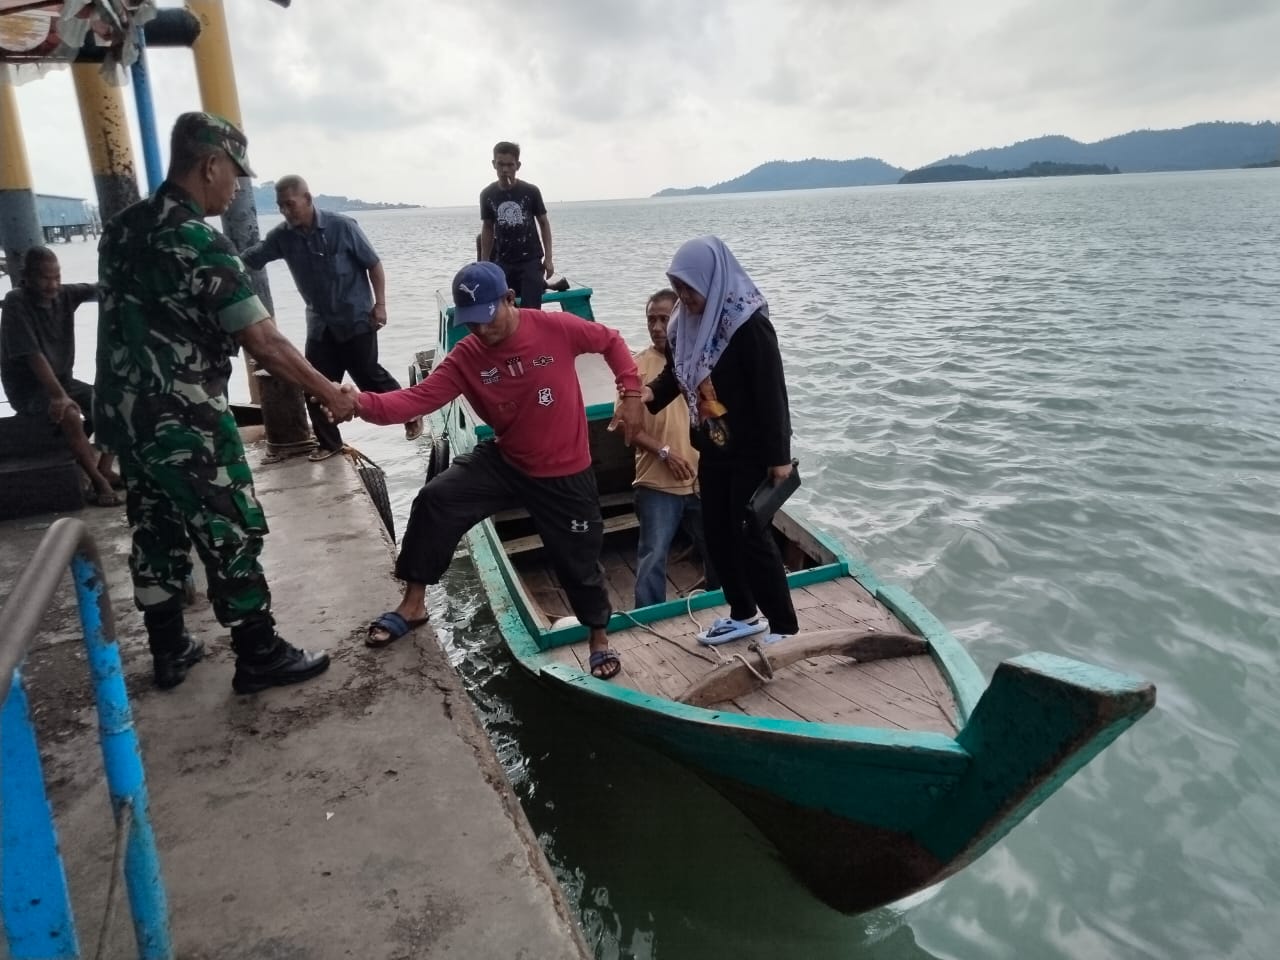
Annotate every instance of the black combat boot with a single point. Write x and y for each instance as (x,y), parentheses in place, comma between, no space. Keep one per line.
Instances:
(173,650)
(264,659)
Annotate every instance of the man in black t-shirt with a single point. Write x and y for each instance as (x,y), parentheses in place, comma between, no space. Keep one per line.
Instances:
(37,353)
(512,215)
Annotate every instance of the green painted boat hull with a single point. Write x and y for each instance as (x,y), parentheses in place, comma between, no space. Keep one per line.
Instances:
(863,816)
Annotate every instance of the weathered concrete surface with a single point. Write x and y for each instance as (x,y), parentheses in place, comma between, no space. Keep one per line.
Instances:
(362,814)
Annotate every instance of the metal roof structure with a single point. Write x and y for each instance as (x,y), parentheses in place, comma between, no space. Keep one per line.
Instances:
(54,31)
(37,34)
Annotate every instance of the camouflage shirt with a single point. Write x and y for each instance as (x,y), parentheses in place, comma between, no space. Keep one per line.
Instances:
(173,295)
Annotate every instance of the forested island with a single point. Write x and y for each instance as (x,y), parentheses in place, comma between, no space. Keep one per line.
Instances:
(947,172)
(800,175)
(264,199)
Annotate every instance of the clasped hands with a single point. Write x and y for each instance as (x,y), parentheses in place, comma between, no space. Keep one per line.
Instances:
(340,406)
(628,413)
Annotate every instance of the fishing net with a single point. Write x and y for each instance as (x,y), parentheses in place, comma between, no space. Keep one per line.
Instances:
(375,482)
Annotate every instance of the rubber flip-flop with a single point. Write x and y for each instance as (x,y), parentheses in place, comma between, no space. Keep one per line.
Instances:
(394,625)
(726,629)
(601,660)
(322,454)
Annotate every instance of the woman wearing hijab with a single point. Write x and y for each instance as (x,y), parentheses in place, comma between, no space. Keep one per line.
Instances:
(723,359)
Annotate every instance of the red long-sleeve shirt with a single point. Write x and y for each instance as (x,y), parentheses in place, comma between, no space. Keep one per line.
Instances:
(526,388)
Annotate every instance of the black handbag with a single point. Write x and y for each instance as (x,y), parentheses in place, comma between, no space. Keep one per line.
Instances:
(768,497)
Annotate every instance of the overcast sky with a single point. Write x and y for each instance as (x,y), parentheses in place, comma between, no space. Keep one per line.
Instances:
(402,100)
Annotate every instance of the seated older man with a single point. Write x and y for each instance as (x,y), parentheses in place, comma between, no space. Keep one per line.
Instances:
(37,352)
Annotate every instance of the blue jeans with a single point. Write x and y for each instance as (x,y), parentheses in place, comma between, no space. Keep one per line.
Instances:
(661,515)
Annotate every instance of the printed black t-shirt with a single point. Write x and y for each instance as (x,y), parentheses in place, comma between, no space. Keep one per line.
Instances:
(513,214)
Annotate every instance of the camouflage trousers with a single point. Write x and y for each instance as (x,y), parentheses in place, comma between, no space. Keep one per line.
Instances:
(192,487)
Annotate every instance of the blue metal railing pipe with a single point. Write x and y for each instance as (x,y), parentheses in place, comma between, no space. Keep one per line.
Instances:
(69,541)
(146,117)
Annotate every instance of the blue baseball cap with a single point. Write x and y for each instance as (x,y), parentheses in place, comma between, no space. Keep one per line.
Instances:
(477,290)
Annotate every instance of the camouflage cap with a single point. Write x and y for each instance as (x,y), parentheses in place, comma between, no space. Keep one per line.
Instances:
(209,128)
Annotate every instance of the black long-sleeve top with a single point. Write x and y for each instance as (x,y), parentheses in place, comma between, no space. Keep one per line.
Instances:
(749,382)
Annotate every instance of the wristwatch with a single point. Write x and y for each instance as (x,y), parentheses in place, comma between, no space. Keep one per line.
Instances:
(664,453)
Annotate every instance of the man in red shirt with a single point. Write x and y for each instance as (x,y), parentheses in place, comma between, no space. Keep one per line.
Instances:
(517,371)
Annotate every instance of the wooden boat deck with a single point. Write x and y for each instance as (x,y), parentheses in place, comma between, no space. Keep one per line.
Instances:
(905,692)
(665,659)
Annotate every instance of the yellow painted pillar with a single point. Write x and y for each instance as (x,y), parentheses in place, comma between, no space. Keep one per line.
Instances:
(106,134)
(215,73)
(19,222)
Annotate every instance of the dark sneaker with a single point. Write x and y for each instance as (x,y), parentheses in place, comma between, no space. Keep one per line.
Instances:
(170,669)
(288,665)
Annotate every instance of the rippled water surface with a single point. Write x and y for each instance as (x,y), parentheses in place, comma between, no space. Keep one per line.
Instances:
(1050,409)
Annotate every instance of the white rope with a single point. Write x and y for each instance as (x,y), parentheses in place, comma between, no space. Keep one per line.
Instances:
(688,609)
(759,676)
(117,859)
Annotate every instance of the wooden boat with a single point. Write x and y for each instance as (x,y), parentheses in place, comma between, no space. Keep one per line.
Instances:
(869,748)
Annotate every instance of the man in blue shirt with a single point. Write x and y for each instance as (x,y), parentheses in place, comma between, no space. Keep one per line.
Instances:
(341,280)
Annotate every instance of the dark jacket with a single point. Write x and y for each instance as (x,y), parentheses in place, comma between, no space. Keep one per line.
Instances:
(749,382)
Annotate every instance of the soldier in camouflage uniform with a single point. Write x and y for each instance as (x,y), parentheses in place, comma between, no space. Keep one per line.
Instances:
(176,305)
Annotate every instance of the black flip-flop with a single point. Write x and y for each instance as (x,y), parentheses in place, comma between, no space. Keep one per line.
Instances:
(395,626)
(600,660)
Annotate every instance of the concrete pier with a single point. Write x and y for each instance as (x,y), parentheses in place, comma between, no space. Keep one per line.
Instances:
(362,814)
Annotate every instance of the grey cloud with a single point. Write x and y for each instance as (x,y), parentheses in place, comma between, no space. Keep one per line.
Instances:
(373,92)
(603,62)
(364,66)
(1137,52)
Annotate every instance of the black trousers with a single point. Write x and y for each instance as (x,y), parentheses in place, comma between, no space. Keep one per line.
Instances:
(565,512)
(745,557)
(528,281)
(333,358)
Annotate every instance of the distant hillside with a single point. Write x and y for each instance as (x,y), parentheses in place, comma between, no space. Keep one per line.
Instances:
(800,175)
(264,199)
(947,172)
(1202,146)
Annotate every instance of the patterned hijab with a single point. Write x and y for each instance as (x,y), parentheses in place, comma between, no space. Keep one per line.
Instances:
(699,339)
